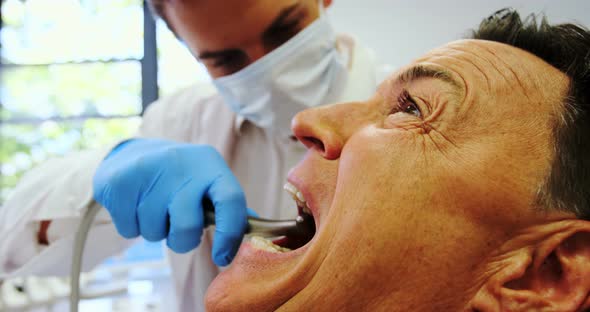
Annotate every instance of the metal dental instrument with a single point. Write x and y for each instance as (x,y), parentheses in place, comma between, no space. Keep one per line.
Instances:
(301,226)
(266,227)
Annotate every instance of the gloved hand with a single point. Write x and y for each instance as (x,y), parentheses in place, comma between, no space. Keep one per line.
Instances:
(155,188)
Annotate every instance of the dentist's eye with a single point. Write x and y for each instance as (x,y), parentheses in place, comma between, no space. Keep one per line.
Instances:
(405,104)
(281,34)
(226,61)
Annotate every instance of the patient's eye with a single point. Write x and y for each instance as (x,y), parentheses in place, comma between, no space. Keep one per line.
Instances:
(407,105)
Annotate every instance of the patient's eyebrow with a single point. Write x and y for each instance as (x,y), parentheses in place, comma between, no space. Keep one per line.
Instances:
(424,71)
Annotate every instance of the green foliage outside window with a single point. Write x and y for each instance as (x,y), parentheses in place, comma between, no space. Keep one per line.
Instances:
(71,78)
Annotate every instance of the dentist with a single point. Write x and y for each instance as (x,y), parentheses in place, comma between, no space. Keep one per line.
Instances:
(269,59)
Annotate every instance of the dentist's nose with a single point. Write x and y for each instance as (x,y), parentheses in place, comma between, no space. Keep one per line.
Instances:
(326,128)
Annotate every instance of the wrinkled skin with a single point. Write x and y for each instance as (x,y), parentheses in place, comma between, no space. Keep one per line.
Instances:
(416,210)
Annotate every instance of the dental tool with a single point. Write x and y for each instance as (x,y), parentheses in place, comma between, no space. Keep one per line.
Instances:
(302,226)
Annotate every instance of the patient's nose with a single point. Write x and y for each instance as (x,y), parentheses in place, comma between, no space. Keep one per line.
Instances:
(326,128)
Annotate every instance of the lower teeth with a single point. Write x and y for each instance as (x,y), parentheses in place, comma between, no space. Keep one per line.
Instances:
(266,245)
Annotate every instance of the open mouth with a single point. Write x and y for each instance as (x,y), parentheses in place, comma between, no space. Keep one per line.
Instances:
(296,238)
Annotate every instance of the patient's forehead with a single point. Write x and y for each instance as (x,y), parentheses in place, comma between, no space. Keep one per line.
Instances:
(494,67)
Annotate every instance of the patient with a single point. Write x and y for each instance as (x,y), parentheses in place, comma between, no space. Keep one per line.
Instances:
(462,185)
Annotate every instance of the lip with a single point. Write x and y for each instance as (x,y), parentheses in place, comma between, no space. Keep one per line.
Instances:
(249,255)
(281,274)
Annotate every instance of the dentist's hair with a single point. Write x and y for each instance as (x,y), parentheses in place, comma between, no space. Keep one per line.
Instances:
(567,48)
(157,9)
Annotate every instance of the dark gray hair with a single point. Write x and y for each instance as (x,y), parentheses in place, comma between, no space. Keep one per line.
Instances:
(567,48)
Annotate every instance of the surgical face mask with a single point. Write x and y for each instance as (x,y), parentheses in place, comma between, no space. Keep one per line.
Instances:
(304,72)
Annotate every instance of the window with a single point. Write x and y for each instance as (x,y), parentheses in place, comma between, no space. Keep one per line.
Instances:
(177,67)
(77,74)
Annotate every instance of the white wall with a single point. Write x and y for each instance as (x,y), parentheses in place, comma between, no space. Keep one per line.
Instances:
(400,31)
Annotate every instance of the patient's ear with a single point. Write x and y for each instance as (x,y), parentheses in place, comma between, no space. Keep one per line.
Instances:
(551,274)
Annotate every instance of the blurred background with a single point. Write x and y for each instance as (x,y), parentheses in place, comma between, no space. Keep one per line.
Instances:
(400,31)
(77,74)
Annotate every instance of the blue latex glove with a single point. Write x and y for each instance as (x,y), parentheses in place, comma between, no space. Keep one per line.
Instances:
(155,188)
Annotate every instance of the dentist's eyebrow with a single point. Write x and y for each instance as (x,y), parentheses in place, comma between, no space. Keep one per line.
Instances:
(424,71)
(276,23)
(281,17)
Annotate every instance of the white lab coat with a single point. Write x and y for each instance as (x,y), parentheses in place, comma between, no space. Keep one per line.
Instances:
(60,189)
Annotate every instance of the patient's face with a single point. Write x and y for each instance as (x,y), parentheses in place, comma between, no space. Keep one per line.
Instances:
(413,190)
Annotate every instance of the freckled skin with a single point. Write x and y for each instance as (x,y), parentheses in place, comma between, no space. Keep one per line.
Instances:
(412,208)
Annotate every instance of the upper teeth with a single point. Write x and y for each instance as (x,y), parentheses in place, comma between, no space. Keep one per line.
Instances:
(297,196)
